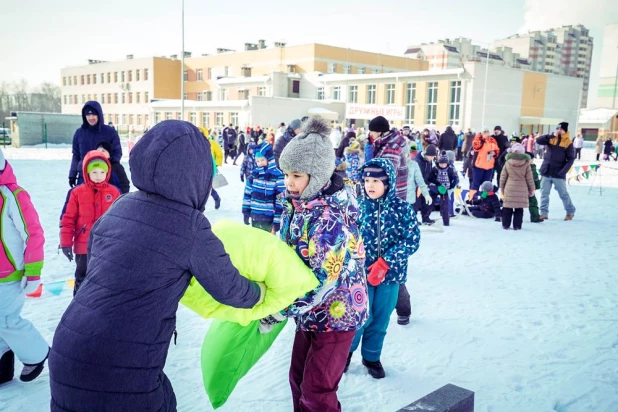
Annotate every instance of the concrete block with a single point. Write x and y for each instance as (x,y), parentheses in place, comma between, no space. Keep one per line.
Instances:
(449,398)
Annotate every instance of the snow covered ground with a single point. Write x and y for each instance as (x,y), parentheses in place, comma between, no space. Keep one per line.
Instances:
(527,320)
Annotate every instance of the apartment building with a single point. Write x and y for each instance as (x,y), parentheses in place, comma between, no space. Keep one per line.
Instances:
(565,50)
(124,88)
(607,93)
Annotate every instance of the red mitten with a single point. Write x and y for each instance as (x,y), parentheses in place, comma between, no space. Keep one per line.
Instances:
(377,272)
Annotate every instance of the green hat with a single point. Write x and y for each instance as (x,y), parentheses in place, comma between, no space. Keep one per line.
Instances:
(97,164)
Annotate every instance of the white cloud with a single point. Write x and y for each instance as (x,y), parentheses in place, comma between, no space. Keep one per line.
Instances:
(546,14)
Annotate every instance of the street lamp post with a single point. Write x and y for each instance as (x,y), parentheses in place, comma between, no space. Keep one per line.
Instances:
(485,87)
(182,66)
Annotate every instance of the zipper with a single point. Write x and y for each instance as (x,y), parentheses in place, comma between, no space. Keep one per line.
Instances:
(379,231)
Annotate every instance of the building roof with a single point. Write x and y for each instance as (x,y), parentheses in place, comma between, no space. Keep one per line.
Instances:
(523,61)
(451,48)
(491,55)
(413,50)
(336,77)
(596,116)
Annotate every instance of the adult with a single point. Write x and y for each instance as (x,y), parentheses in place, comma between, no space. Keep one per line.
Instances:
(256,134)
(448,140)
(608,149)
(293,130)
(578,145)
(467,143)
(111,344)
(229,140)
(503,144)
(92,131)
(425,163)
(558,160)
(345,142)
(242,146)
(486,151)
(335,137)
(599,146)
(390,145)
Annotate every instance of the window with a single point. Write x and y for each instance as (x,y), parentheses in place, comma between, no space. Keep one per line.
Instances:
(209,74)
(219,119)
(139,116)
(145,74)
(137,75)
(390,94)
(130,119)
(432,102)
(199,96)
(410,100)
(371,94)
(296,86)
(234,118)
(130,95)
(130,73)
(102,98)
(122,78)
(95,97)
(75,80)
(185,76)
(320,93)
(199,75)
(185,96)
(69,78)
(332,68)
(455,104)
(115,98)
(179,116)
(137,98)
(122,97)
(261,91)
(146,100)
(205,119)
(157,118)
(337,93)
(124,119)
(226,71)
(115,77)
(83,99)
(64,81)
(64,99)
(222,94)
(353,94)
(193,118)
(361,70)
(102,78)
(347,69)
(88,79)
(109,77)
(82,80)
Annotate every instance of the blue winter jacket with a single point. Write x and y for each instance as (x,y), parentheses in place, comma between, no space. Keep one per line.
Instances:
(111,344)
(388,228)
(87,137)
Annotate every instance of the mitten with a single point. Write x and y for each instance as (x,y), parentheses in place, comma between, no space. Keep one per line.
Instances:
(31,285)
(262,292)
(68,252)
(377,272)
(246,219)
(72,181)
(428,199)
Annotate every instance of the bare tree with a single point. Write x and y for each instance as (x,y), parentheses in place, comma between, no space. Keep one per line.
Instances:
(18,96)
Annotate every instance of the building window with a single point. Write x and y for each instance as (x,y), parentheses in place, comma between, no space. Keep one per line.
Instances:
(390,94)
(115,98)
(261,91)
(137,75)
(145,74)
(371,94)
(218,119)
(332,68)
(64,99)
(137,98)
(122,78)
(337,93)
(130,119)
(115,77)
(199,75)
(179,116)
(64,81)
(102,78)
(205,120)
(193,118)
(320,93)
(347,69)
(69,79)
(87,79)
(82,79)
(361,70)
(226,71)
(168,115)
(75,80)
(455,105)
(109,77)
(83,99)
(353,94)
(234,118)
(185,96)
(109,98)
(410,100)
(185,76)
(296,86)
(124,119)
(157,118)
(130,97)
(432,102)
(209,74)
(130,75)
(222,94)
(122,97)
(139,116)
(146,100)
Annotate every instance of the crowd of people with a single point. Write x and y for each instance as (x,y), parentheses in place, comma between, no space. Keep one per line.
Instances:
(346,201)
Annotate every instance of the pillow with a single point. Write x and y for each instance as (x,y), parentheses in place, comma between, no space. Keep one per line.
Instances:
(261,257)
(229,351)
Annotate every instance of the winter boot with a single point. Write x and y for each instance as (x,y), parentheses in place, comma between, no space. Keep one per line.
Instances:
(347,364)
(32,371)
(544,217)
(403,320)
(218,203)
(428,221)
(375,369)
(7,367)
(569,217)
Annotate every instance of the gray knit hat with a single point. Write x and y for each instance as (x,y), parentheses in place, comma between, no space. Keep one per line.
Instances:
(487,186)
(311,152)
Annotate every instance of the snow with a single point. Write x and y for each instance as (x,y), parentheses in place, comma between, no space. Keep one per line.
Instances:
(527,320)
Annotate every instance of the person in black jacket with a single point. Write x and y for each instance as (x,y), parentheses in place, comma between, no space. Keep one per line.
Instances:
(448,140)
(242,146)
(344,144)
(487,205)
(503,143)
(119,175)
(443,178)
(558,160)
(292,131)
(425,163)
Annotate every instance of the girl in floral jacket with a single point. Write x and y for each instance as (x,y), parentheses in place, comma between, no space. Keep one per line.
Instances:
(319,223)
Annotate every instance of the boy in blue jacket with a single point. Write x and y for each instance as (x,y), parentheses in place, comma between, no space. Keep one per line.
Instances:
(443,178)
(261,190)
(391,235)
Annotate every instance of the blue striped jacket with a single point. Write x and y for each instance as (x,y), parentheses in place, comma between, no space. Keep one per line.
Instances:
(261,191)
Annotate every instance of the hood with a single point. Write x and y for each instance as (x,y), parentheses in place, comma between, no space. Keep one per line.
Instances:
(518,159)
(91,155)
(7,176)
(388,167)
(97,108)
(267,150)
(337,193)
(174,161)
(251,146)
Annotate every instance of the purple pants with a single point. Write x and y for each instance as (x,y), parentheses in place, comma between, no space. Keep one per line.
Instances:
(318,360)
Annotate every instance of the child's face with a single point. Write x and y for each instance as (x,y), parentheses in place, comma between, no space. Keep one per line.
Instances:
(443,165)
(261,162)
(105,152)
(296,182)
(374,187)
(97,175)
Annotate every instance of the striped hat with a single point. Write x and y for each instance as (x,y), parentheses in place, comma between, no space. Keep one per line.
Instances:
(376,172)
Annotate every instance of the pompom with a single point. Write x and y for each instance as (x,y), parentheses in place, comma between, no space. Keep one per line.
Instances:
(316,125)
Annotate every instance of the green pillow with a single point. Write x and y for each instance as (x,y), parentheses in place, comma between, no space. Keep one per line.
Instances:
(261,257)
(228,352)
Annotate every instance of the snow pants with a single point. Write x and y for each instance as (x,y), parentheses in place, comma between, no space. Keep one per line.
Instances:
(403,308)
(81,266)
(560,186)
(318,360)
(382,301)
(16,333)
(512,215)
(533,208)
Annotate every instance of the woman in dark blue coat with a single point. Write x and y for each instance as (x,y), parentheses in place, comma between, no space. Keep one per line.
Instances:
(110,347)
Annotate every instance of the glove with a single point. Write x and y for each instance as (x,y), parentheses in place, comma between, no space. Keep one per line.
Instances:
(262,292)
(377,272)
(68,252)
(266,325)
(72,181)
(242,177)
(30,286)
(498,219)
(276,228)
(428,199)
(246,219)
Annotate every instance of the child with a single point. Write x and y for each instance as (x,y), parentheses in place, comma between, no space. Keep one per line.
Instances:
(391,236)
(535,217)
(217,157)
(319,223)
(487,206)
(118,176)
(261,190)
(517,186)
(248,162)
(417,188)
(352,158)
(22,256)
(443,178)
(87,203)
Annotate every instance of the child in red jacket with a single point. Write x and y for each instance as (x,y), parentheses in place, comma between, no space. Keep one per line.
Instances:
(87,203)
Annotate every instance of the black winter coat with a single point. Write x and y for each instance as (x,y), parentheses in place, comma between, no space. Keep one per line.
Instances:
(559,156)
(448,141)
(282,142)
(425,165)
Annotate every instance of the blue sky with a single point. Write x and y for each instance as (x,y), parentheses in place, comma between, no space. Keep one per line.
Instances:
(39,37)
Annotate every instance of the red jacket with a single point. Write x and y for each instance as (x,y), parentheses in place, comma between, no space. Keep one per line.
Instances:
(86,204)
